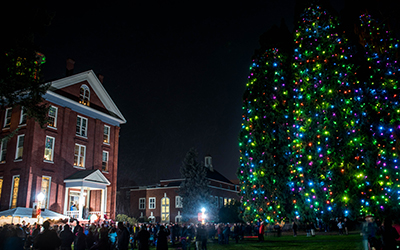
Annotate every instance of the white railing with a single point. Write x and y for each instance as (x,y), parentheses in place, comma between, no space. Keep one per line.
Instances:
(73,214)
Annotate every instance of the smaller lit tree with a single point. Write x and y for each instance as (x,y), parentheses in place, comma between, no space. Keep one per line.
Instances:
(194,188)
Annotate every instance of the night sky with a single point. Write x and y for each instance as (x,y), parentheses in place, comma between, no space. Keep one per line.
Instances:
(176,70)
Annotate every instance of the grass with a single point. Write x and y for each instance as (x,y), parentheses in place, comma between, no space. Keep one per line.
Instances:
(288,242)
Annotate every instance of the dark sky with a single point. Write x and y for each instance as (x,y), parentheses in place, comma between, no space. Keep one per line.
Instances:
(176,70)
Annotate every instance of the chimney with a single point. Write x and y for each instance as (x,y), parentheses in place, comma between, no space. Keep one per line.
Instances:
(101,78)
(208,162)
(70,67)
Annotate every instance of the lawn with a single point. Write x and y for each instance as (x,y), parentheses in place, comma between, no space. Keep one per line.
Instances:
(334,242)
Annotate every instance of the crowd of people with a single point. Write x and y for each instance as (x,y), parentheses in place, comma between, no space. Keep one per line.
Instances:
(122,236)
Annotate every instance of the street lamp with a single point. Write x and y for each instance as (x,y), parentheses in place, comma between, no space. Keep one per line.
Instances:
(40,198)
(203,215)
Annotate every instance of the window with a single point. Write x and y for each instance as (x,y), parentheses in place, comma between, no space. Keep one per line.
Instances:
(81,126)
(7,118)
(14,191)
(178,202)
(165,209)
(106,135)
(152,203)
(46,182)
(221,202)
(216,201)
(53,111)
(49,148)
(3,152)
(142,203)
(84,95)
(79,159)
(22,118)
(20,147)
(104,165)
(225,201)
(230,201)
(1,185)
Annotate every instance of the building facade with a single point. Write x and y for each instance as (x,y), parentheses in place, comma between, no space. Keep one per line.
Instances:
(162,203)
(70,166)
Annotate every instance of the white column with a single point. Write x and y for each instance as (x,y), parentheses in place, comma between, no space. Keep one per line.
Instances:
(81,203)
(103,194)
(88,199)
(66,205)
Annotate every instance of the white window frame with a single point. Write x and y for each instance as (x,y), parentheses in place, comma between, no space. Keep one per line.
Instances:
(12,189)
(48,192)
(85,98)
(81,126)
(166,205)
(84,156)
(6,118)
(142,203)
(52,149)
(3,147)
(22,116)
(152,201)
(55,117)
(108,135)
(16,150)
(102,161)
(178,202)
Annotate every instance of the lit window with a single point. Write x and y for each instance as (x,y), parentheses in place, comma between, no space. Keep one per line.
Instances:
(142,203)
(165,209)
(225,201)
(152,203)
(20,147)
(49,148)
(14,191)
(1,185)
(104,165)
(22,118)
(46,182)
(81,126)
(53,111)
(79,159)
(106,135)
(178,202)
(7,118)
(230,201)
(3,152)
(85,95)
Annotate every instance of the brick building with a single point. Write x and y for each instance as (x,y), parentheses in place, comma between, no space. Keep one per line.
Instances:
(162,203)
(70,166)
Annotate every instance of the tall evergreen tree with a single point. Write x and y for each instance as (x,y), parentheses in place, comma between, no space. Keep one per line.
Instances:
(263,138)
(194,188)
(325,129)
(381,186)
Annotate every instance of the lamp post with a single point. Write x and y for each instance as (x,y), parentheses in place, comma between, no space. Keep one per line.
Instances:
(203,215)
(40,197)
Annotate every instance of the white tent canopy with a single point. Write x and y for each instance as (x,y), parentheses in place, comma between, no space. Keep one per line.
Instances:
(17,215)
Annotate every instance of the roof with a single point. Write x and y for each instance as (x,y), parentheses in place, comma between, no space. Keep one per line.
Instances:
(93,175)
(23,212)
(215,175)
(98,88)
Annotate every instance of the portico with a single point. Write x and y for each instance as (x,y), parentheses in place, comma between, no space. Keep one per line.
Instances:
(78,190)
